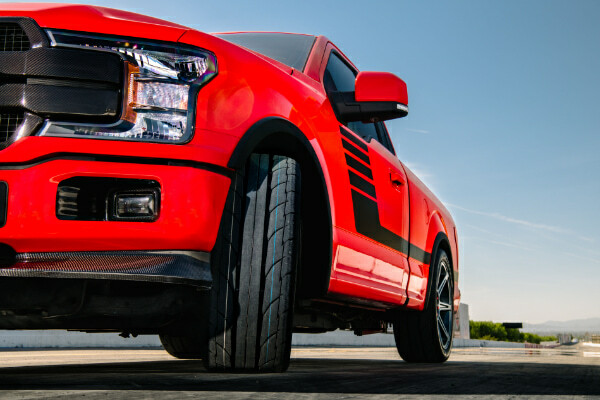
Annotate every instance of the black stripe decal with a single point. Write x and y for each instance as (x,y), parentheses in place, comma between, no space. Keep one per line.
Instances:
(359,154)
(362,184)
(419,254)
(366,216)
(366,210)
(354,139)
(360,167)
(118,159)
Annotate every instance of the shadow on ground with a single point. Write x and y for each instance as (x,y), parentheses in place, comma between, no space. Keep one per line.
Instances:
(317,376)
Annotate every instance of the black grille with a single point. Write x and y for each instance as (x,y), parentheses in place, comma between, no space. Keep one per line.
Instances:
(9,123)
(93,198)
(3,201)
(13,37)
(40,82)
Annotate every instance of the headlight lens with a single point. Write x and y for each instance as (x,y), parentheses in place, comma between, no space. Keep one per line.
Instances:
(159,96)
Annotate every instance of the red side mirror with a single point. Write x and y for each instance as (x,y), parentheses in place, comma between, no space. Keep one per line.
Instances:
(380,86)
(377,96)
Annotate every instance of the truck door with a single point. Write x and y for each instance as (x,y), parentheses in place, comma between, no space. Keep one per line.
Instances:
(375,256)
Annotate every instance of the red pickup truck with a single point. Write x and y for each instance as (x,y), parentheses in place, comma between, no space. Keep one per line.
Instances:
(220,190)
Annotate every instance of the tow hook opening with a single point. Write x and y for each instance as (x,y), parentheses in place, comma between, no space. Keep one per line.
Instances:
(8,255)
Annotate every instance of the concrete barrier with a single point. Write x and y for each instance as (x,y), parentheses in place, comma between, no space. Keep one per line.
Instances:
(50,339)
(590,344)
(487,343)
(62,339)
(343,338)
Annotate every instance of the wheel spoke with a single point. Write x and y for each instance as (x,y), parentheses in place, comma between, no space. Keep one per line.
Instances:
(444,307)
(443,326)
(444,281)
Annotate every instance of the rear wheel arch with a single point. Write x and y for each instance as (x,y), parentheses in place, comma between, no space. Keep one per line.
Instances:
(441,242)
(276,135)
(426,335)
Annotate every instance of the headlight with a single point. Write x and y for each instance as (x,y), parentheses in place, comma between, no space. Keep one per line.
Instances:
(161,85)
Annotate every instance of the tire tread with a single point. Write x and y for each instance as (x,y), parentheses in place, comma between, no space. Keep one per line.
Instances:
(263,216)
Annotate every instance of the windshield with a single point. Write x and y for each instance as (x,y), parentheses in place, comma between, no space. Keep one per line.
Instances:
(288,48)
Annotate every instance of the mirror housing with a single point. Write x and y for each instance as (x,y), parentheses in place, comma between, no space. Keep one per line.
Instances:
(378,96)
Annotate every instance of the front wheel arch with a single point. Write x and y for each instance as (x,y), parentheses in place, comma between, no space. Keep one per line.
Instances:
(279,136)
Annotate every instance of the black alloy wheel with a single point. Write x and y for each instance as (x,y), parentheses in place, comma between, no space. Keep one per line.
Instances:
(426,336)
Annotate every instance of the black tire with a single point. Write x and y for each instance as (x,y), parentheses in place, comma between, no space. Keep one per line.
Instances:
(420,335)
(254,269)
(185,347)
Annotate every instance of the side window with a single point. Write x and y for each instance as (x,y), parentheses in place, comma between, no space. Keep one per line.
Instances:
(385,137)
(366,130)
(339,77)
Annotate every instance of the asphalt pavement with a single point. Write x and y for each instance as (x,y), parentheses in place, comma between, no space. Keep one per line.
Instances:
(314,373)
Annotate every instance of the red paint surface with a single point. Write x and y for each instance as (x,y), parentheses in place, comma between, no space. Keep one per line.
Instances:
(248,88)
(85,18)
(190,200)
(380,86)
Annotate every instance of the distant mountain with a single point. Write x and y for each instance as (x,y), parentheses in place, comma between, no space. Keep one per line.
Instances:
(591,325)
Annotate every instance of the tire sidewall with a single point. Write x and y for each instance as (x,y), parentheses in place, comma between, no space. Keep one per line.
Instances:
(441,256)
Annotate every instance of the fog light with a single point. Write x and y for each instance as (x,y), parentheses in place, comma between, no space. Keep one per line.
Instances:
(135,206)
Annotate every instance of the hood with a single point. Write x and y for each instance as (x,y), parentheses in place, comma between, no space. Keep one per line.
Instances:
(96,19)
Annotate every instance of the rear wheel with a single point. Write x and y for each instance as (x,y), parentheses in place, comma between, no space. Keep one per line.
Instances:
(254,268)
(426,336)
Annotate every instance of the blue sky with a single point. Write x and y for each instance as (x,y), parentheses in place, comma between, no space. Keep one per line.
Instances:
(504,126)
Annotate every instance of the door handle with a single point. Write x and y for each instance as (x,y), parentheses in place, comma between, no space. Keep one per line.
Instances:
(397,179)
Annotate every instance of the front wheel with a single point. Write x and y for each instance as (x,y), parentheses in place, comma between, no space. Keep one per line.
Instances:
(426,336)
(254,269)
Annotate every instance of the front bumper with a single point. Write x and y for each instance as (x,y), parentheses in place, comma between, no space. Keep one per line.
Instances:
(179,267)
(174,248)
